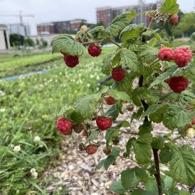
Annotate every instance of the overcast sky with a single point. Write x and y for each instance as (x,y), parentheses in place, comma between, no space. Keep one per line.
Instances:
(54,10)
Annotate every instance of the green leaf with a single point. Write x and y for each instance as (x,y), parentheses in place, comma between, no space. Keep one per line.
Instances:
(119,95)
(169,7)
(126,57)
(141,93)
(110,134)
(93,136)
(99,32)
(130,178)
(182,165)
(86,106)
(120,22)
(166,154)
(142,152)
(156,112)
(145,128)
(76,117)
(176,117)
(110,159)
(158,143)
(114,111)
(160,79)
(129,145)
(145,138)
(142,192)
(148,53)
(107,64)
(131,32)
(66,45)
(117,187)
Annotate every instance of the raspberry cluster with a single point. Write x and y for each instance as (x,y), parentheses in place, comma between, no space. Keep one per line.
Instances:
(181,55)
(66,127)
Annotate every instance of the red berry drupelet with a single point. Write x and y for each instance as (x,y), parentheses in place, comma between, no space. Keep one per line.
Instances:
(178,83)
(64,126)
(166,54)
(110,100)
(183,56)
(94,50)
(193,121)
(118,74)
(91,149)
(103,122)
(71,61)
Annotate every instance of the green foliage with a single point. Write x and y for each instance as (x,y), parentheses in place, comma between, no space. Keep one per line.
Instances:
(182,165)
(16,40)
(130,178)
(169,7)
(120,22)
(86,106)
(131,32)
(66,45)
(186,25)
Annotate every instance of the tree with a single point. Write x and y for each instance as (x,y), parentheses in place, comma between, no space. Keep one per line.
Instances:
(186,26)
(28,42)
(16,40)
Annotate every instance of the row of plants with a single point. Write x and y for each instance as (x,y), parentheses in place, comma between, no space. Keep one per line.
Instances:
(147,71)
(29,107)
(18,64)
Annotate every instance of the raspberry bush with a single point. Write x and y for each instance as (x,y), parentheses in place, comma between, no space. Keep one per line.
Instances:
(146,75)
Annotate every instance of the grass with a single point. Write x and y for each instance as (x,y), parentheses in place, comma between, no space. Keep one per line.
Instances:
(18,64)
(28,111)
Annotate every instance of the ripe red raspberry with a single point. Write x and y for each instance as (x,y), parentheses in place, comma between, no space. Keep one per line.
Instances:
(174,19)
(118,74)
(183,56)
(71,61)
(64,126)
(110,100)
(94,50)
(177,83)
(103,122)
(193,121)
(91,149)
(166,54)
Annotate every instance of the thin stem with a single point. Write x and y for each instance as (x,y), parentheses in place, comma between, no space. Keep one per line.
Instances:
(157,174)
(115,43)
(155,151)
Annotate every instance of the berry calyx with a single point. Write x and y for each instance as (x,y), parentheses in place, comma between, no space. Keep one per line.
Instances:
(71,61)
(174,19)
(183,56)
(118,74)
(81,146)
(94,50)
(166,54)
(110,100)
(177,83)
(78,128)
(91,149)
(64,126)
(103,122)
